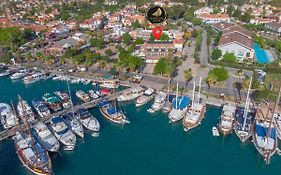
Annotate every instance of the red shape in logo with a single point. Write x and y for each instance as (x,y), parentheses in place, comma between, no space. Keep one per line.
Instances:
(157,32)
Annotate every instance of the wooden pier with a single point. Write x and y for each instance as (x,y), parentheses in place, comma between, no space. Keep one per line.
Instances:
(87,105)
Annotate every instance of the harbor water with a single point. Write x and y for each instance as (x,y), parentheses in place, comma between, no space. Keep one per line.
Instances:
(148,145)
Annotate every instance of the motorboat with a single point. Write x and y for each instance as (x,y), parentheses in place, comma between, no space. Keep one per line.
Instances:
(8,118)
(65,99)
(215,132)
(227,119)
(133,93)
(19,74)
(41,108)
(83,96)
(159,101)
(45,137)
(73,123)
(52,101)
(88,121)
(62,133)
(146,97)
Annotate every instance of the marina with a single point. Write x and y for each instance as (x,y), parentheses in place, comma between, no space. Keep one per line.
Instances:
(127,112)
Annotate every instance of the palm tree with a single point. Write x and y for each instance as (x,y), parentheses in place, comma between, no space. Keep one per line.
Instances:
(102,64)
(187,76)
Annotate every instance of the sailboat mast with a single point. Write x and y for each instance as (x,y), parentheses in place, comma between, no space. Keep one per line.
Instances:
(70,98)
(114,94)
(168,89)
(177,95)
(27,123)
(273,114)
(199,91)
(246,105)
(193,93)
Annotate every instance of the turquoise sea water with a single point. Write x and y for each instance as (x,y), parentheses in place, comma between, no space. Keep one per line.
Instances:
(148,145)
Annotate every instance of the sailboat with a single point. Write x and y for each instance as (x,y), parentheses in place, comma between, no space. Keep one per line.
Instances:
(110,112)
(70,119)
(265,136)
(30,152)
(26,111)
(167,106)
(180,105)
(196,112)
(244,119)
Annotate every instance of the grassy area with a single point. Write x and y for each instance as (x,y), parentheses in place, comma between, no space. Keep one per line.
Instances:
(273,79)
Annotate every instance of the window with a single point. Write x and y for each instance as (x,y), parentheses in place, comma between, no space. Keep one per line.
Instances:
(248,54)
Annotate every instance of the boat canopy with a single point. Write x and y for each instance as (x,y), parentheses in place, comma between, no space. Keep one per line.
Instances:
(181,102)
(262,131)
(56,120)
(112,111)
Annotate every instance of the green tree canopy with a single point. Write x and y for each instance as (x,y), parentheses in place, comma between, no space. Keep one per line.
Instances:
(216,54)
(163,37)
(139,41)
(108,52)
(229,57)
(97,42)
(218,74)
(127,38)
(196,21)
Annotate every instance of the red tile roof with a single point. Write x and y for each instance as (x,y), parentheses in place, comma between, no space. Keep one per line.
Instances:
(236,38)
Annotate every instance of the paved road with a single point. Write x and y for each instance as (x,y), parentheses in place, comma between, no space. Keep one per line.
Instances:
(204,50)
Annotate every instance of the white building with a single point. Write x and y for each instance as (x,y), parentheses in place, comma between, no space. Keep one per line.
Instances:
(274,27)
(214,18)
(203,10)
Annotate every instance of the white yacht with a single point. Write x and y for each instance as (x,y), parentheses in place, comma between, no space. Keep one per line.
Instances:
(134,92)
(146,97)
(25,110)
(41,108)
(159,101)
(110,84)
(45,137)
(5,73)
(34,78)
(64,96)
(88,121)
(94,94)
(73,123)
(227,119)
(8,118)
(62,133)
(19,74)
(83,96)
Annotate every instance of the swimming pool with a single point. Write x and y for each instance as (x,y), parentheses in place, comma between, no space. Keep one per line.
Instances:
(260,54)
